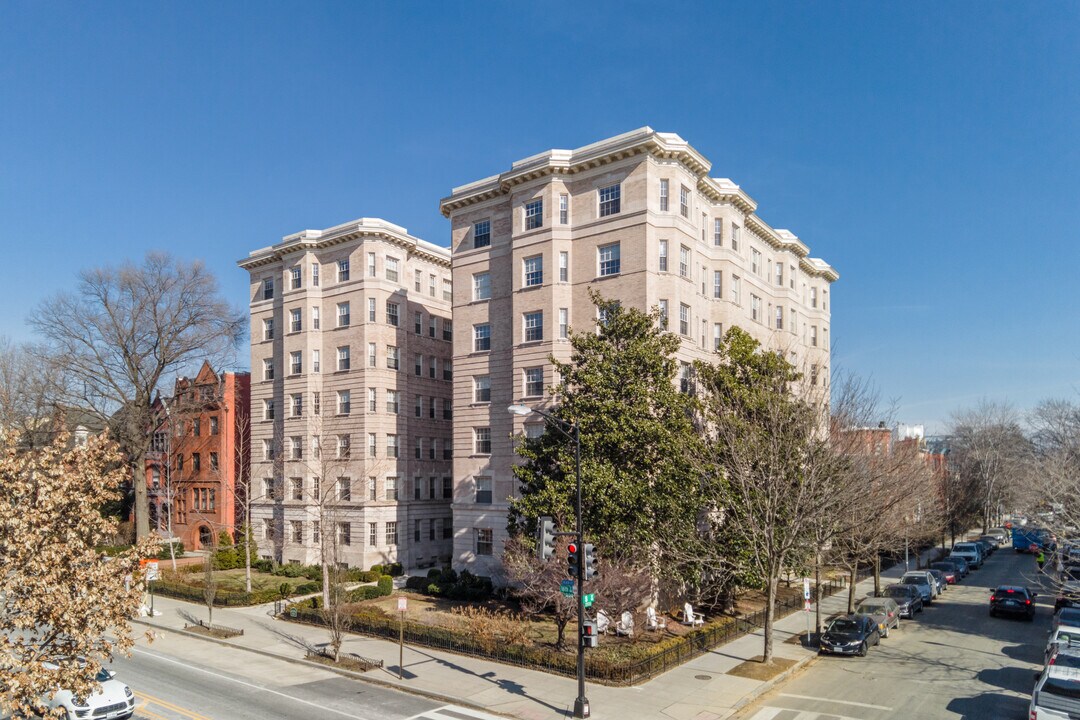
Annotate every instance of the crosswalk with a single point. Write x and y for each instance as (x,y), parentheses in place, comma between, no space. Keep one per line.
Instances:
(454,712)
(778,713)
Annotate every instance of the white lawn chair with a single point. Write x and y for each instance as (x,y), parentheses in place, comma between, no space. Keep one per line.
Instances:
(652,622)
(603,622)
(625,626)
(690,617)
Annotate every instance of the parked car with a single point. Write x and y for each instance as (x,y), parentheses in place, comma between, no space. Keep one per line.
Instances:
(939,578)
(1067,616)
(970,552)
(1068,595)
(1063,637)
(907,597)
(1002,534)
(849,635)
(948,570)
(1057,692)
(923,581)
(885,611)
(994,540)
(1013,600)
(114,701)
(988,547)
(960,564)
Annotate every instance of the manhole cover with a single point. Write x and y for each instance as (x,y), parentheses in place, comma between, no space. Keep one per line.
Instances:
(703,677)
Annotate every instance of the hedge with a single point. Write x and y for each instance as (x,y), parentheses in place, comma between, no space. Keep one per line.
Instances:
(222,598)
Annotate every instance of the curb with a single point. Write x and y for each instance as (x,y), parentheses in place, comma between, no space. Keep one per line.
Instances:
(436,697)
(771,683)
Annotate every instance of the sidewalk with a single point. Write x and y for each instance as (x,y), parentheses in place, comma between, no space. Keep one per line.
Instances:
(700,689)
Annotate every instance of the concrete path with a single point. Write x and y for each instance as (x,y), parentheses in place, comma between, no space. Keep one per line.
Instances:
(700,689)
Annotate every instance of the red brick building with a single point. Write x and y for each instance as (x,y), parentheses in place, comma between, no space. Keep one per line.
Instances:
(198,454)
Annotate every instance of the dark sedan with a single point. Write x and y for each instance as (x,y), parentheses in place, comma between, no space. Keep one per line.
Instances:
(907,597)
(1013,600)
(948,570)
(960,564)
(850,635)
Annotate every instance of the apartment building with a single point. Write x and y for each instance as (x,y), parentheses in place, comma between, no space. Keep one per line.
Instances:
(351,356)
(197,454)
(637,218)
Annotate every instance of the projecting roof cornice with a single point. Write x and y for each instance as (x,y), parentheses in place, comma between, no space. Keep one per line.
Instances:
(374,228)
(816,267)
(569,162)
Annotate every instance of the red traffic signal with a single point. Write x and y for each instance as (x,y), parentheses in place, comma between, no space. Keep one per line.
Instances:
(571,548)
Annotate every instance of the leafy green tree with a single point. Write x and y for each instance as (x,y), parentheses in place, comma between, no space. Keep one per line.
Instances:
(226,556)
(639,488)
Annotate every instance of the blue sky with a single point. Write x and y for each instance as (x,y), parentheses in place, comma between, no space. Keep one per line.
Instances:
(928,151)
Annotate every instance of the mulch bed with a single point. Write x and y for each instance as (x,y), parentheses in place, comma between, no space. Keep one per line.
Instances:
(347,662)
(757,670)
(211,632)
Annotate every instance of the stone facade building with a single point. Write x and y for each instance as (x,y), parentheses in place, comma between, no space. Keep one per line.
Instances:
(351,339)
(637,218)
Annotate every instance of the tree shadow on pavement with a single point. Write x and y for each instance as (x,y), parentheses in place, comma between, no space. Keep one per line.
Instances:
(1028,652)
(296,641)
(1017,679)
(989,706)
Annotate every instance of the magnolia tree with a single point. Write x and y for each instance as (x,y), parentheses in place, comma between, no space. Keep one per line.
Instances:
(62,603)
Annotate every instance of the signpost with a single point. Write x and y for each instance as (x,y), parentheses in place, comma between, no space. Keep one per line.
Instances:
(152,574)
(806,605)
(402,606)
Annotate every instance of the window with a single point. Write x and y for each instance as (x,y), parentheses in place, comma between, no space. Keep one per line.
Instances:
(483,490)
(296,362)
(433,326)
(294,276)
(447,290)
(663,195)
(704,223)
(717,285)
(343,358)
(315,274)
(431,408)
(392,358)
(564,323)
(371,264)
(755,262)
(735,238)
(534,271)
(684,378)
(482,234)
(315,318)
(416,528)
(316,404)
(213,461)
(268,409)
(564,209)
(418,449)
(735,290)
(343,314)
(391,446)
(418,280)
(392,314)
(534,326)
(448,370)
(534,382)
(755,307)
(392,402)
(663,314)
(610,200)
(717,232)
(433,369)
(297,533)
(447,488)
(391,533)
(813,336)
(268,528)
(792,321)
(342,270)
(485,542)
(431,285)
(392,268)
(371,360)
(295,324)
(316,532)
(534,214)
(372,399)
(268,449)
(268,329)
(371,309)
(344,533)
(791,276)
(684,319)
(431,529)
(609,259)
(268,289)
(564,266)
(214,426)
(433,449)
(268,369)
(296,447)
(419,406)
(483,440)
(418,365)
(813,374)
(684,201)
(297,488)
(447,330)
(779,274)
(344,404)
(481,337)
(779,318)
(717,335)
(663,256)
(344,489)
(813,297)
(684,261)
(481,286)
(268,489)
(418,323)
(824,299)
(297,405)
(391,487)
(373,446)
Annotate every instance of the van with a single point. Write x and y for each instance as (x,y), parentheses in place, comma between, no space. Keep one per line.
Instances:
(970,552)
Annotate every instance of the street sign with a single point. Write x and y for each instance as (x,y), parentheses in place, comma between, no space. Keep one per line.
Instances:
(589,599)
(566,587)
(402,604)
(806,588)
(151,568)
(806,605)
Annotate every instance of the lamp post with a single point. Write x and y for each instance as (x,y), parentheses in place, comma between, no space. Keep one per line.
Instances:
(572,431)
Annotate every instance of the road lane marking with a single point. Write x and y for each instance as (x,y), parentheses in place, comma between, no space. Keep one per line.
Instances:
(190,714)
(253,686)
(842,702)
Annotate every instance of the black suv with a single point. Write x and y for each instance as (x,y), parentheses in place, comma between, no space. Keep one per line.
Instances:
(1013,600)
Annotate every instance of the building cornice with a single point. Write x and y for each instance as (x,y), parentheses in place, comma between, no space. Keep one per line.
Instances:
(375,228)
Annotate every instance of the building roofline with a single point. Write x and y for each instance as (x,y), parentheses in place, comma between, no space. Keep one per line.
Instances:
(354,229)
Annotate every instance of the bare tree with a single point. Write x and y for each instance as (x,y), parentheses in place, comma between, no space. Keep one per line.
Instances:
(209,587)
(31,385)
(123,330)
(536,583)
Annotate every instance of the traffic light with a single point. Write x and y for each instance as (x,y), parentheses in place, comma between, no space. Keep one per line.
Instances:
(588,561)
(545,538)
(572,560)
(589,638)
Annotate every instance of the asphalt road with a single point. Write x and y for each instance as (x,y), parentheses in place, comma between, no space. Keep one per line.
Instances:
(953,661)
(236,686)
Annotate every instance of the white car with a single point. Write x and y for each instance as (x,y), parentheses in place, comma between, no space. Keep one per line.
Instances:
(114,701)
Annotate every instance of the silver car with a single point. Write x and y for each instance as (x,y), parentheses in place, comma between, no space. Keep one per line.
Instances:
(884,611)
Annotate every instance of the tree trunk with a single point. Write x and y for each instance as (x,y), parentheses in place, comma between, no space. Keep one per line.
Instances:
(877,575)
(817,595)
(247,542)
(853,576)
(770,613)
(142,499)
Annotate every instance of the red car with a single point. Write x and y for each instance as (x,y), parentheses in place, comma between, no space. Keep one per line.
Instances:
(947,569)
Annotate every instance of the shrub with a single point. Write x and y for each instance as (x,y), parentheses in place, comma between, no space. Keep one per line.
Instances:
(417,583)
(308,588)
(164,553)
(314,572)
(433,589)
(394,570)
(433,574)
(386,585)
(266,566)
(377,569)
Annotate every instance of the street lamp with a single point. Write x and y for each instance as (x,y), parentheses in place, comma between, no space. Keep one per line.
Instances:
(572,431)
